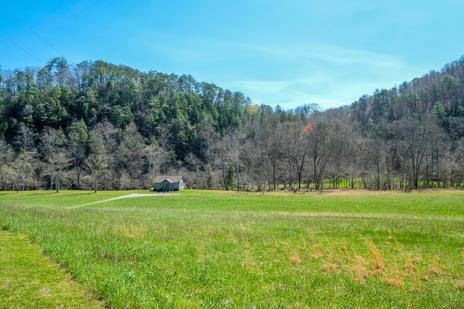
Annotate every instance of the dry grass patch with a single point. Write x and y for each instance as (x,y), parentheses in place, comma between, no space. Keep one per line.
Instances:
(315,253)
(360,269)
(376,256)
(410,263)
(329,267)
(295,259)
(425,278)
(435,270)
(393,281)
(393,277)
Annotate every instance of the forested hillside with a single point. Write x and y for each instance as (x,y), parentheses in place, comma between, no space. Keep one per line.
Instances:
(104,126)
(439,93)
(415,130)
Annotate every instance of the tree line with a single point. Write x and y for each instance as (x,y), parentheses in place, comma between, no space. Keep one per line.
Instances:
(101,126)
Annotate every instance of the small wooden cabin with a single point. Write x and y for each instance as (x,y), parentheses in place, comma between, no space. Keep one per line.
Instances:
(168,183)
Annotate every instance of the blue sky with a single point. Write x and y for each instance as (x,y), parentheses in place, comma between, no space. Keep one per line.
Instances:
(286,52)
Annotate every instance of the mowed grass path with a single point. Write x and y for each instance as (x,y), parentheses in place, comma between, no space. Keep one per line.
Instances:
(224,249)
(29,280)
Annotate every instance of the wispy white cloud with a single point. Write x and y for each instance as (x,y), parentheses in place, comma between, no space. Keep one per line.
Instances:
(329,53)
(291,93)
(203,49)
(290,75)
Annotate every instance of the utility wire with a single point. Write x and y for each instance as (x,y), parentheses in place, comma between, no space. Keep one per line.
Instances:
(47,42)
(14,44)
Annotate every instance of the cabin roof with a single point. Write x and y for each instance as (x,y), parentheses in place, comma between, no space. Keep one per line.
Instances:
(171,179)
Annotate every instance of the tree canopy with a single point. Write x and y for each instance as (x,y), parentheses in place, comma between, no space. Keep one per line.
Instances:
(100,125)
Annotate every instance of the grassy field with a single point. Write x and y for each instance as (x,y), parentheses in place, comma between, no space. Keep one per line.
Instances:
(28,280)
(224,249)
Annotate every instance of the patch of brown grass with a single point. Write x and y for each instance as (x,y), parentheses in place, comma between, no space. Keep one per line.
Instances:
(410,263)
(460,284)
(360,269)
(295,259)
(329,267)
(394,277)
(425,278)
(376,256)
(314,252)
(394,282)
(316,255)
(435,269)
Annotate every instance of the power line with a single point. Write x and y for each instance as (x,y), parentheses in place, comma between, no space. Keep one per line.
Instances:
(47,42)
(14,44)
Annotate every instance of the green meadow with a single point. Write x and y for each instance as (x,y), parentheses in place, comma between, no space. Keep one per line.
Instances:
(225,249)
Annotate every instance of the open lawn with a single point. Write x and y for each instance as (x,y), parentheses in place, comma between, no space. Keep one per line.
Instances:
(226,249)
(29,280)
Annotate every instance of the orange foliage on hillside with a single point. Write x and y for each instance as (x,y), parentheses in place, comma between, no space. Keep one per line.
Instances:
(308,128)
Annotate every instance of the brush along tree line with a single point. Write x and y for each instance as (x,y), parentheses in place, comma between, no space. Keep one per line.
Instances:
(103,126)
